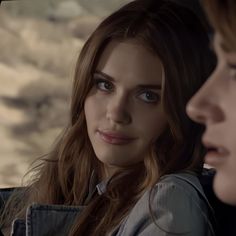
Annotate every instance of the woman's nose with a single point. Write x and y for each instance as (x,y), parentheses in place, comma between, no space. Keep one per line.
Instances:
(118,110)
(204,107)
(197,110)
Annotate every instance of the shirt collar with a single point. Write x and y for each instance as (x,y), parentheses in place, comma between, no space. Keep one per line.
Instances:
(95,187)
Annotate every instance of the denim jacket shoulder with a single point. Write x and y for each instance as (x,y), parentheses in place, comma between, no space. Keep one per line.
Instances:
(178,205)
(178,188)
(5,193)
(41,219)
(47,220)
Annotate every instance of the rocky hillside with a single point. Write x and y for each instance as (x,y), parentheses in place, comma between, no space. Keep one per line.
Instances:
(43,8)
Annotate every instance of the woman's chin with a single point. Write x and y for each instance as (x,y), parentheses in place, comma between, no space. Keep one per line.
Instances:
(224,188)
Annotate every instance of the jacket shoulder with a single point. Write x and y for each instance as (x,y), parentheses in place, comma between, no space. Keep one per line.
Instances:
(5,193)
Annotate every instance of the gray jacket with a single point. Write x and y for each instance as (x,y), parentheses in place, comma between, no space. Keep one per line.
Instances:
(178,204)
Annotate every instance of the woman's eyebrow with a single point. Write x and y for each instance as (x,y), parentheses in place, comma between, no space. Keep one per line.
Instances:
(222,45)
(225,47)
(104,75)
(139,86)
(149,86)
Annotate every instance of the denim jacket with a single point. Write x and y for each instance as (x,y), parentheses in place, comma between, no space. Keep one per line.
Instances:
(178,203)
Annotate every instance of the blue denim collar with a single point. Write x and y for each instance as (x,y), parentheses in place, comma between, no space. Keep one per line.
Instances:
(46,220)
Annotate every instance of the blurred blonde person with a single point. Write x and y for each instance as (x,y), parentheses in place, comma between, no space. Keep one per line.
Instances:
(214,105)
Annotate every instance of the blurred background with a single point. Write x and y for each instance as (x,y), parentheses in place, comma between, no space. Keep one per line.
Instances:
(39,44)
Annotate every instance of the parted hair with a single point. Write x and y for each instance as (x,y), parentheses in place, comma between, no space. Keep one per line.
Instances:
(176,35)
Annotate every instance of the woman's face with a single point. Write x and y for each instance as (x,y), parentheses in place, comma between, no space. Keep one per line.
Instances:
(123,110)
(214,105)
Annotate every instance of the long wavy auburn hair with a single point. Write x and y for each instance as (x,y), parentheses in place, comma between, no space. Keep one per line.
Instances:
(222,15)
(178,38)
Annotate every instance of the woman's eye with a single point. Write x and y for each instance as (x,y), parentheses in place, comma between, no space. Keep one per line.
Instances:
(104,85)
(149,97)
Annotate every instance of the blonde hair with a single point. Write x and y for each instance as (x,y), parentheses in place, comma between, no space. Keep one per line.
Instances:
(222,15)
(178,38)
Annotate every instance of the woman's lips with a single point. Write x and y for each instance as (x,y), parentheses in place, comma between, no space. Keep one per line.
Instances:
(215,155)
(115,138)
